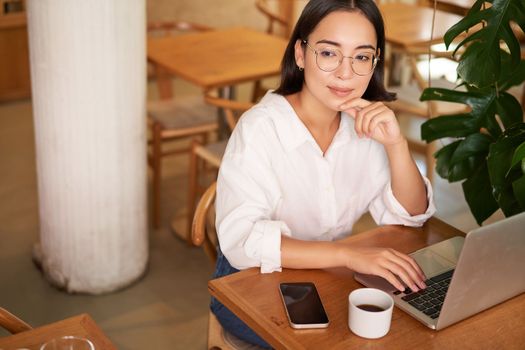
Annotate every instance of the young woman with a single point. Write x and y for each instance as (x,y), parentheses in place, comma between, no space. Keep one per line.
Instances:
(307,161)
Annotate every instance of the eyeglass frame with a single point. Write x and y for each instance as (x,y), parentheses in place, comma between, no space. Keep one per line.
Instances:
(375,61)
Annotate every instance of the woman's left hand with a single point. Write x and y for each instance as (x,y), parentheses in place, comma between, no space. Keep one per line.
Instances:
(374,120)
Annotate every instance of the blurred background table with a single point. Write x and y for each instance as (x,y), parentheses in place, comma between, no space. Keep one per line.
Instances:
(459,7)
(217,58)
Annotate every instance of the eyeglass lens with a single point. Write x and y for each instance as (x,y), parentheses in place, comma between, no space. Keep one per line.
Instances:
(329,59)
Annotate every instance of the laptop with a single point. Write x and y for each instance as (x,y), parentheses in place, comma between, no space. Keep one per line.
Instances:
(464,275)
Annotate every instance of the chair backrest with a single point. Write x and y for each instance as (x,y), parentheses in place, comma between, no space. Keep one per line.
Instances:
(274,18)
(12,323)
(203,227)
(167,28)
(232,109)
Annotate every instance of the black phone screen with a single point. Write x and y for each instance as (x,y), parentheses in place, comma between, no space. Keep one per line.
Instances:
(303,305)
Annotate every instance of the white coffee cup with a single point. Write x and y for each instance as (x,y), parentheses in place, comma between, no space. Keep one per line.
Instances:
(364,322)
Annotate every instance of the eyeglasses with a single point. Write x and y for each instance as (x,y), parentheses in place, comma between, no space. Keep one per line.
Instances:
(329,59)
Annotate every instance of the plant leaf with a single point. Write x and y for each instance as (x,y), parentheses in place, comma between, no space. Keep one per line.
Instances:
(443,159)
(459,125)
(478,194)
(464,169)
(480,64)
(508,109)
(481,103)
(519,155)
(474,17)
(501,173)
(480,75)
(475,99)
(470,154)
(511,76)
(474,145)
(518,187)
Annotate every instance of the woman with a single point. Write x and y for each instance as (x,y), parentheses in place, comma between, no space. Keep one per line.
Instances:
(307,161)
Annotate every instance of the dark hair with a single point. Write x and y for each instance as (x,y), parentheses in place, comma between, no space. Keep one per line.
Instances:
(292,78)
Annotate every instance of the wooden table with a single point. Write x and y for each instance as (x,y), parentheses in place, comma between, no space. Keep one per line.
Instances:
(80,326)
(254,297)
(216,58)
(459,7)
(409,25)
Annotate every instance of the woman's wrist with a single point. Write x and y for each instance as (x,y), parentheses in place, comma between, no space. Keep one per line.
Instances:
(343,254)
(399,146)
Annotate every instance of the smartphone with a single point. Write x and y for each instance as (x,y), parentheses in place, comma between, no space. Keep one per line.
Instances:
(303,305)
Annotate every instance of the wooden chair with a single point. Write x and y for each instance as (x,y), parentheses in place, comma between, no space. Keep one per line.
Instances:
(211,154)
(203,234)
(280,24)
(274,19)
(12,323)
(174,119)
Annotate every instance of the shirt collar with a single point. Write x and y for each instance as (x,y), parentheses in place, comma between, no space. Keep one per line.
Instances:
(292,132)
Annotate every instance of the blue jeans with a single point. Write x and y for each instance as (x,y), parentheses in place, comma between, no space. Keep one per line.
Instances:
(226,318)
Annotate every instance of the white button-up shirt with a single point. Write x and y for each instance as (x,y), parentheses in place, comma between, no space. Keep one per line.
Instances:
(275,180)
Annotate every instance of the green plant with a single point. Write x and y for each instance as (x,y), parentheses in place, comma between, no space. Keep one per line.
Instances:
(485,146)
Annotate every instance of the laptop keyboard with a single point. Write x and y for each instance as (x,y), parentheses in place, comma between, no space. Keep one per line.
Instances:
(430,300)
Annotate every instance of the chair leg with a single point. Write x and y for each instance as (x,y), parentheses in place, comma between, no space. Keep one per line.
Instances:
(192,187)
(256,93)
(156,167)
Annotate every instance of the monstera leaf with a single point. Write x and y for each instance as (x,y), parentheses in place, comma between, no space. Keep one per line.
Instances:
(488,26)
(518,186)
(485,145)
(505,165)
(482,152)
(483,105)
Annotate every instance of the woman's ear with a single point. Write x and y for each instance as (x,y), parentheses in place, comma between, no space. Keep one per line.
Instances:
(299,54)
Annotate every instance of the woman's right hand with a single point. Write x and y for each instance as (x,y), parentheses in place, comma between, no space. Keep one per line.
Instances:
(387,263)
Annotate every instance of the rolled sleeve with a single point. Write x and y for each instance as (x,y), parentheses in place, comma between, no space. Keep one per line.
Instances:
(395,213)
(264,244)
(247,195)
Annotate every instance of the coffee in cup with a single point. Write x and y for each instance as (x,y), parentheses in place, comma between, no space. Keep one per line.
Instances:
(369,312)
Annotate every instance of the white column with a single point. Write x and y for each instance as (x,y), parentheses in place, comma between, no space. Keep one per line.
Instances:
(88,83)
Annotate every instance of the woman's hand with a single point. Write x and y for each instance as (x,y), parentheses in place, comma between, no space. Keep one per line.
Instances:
(374,120)
(387,263)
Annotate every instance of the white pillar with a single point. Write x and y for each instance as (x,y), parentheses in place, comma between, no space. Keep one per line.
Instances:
(88,83)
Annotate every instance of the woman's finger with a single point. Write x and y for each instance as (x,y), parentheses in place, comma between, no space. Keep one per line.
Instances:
(358,123)
(413,263)
(391,278)
(363,118)
(369,117)
(355,103)
(410,269)
(403,274)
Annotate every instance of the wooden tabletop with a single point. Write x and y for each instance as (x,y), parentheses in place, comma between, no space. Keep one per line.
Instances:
(459,7)
(254,297)
(80,326)
(411,25)
(219,58)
